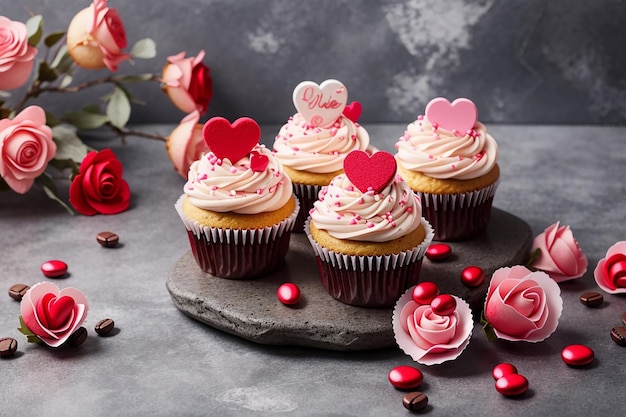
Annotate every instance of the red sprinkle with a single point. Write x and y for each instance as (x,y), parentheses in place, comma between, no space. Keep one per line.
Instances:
(503,369)
(288,293)
(473,276)
(405,377)
(512,385)
(424,292)
(577,355)
(443,304)
(54,268)
(438,251)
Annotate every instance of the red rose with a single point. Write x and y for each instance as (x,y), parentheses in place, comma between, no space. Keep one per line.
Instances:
(99,186)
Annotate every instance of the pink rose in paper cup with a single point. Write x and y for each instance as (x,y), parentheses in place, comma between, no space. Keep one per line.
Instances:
(431,338)
(26,146)
(186,144)
(187,82)
(52,315)
(96,37)
(559,254)
(16,55)
(523,305)
(610,273)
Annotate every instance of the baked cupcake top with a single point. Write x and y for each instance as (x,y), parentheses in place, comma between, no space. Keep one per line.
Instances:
(238,174)
(369,202)
(323,131)
(448,142)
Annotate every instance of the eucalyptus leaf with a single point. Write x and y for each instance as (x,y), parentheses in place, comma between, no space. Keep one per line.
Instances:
(144,49)
(47,183)
(118,108)
(85,120)
(52,120)
(34,26)
(46,73)
(62,60)
(53,38)
(67,80)
(69,145)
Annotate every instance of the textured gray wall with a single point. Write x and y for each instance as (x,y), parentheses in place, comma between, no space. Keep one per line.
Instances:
(521,61)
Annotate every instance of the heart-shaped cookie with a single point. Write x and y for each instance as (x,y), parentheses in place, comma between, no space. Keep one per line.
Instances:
(232,141)
(320,105)
(459,116)
(353,111)
(370,172)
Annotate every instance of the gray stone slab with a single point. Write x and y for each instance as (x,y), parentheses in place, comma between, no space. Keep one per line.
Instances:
(250,308)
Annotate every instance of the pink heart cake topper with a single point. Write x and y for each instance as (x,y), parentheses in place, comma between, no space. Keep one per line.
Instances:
(460,115)
(320,105)
(353,111)
(369,172)
(232,141)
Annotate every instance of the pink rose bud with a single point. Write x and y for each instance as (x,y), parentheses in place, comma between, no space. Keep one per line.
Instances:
(610,273)
(187,82)
(53,315)
(522,305)
(26,146)
(96,37)
(16,55)
(559,254)
(185,144)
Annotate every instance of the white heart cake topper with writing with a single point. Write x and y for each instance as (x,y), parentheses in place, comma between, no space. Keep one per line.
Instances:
(320,105)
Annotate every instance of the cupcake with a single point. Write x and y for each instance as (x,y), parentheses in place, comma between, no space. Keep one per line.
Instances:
(367,232)
(448,158)
(238,205)
(314,141)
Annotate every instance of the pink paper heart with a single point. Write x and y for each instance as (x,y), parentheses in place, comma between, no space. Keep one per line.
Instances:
(258,162)
(320,105)
(369,172)
(353,111)
(459,116)
(231,141)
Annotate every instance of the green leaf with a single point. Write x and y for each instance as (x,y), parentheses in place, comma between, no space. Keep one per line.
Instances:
(62,61)
(86,120)
(533,258)
(118,108)
(144,49)
(69,145)
(30,336)
(489,332)
(53,38)
(45,72)
(52,120)
(47,183)
(34,25)
(65,81)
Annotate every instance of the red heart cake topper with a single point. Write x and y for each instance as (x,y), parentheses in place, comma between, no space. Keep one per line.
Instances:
(369,172)
(320,105)
(460,115)
(353,111)
(258,162)
(231,141)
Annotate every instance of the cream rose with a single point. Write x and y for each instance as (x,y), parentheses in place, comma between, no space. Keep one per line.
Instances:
(610,273)
(26,146)
(559,254)
(16,55)
(186,144)
(187,82)
(96,37)
(522,305)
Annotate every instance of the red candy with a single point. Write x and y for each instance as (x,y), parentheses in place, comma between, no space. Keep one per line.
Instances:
(288,293)
(54,268)
(472,276)
(503,369)
(577,355)
(438,251)
(424,292)
(405,377)
(512,385)
(443,304)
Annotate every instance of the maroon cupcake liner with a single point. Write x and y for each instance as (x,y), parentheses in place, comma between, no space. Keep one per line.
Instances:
(306,195)
(238,253)
(369,281)
(460,216)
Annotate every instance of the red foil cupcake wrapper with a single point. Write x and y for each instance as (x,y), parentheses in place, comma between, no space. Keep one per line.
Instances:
(369,281)
(458,216)
(306,195)
(238,253)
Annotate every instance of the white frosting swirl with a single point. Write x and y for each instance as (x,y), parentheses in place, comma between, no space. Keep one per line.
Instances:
(347,213)
(303,147)
(217,185)
(439,153)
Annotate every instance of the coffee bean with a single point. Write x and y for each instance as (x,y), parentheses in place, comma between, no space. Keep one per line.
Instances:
(108,239)
(78,337)
(415,401)
(618,334)
(591,298)
(8,346)
(17,291)
(104,327)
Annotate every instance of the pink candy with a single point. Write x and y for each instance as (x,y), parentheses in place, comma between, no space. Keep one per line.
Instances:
(405,377)
(288,293)
(54,268)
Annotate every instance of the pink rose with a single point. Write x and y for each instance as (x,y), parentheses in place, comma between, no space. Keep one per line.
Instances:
(522,305)
(187,82)
(16,55)
(186,144)
(559,255)
(610,273)
(26,146)
(428,337)
(96,37)
(53,315)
